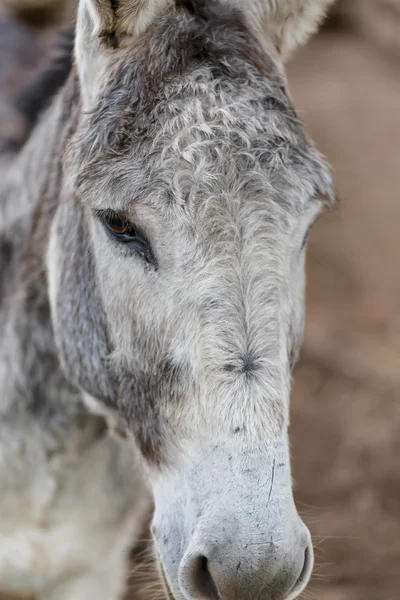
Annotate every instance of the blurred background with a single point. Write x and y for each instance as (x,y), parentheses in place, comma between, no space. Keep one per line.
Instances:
(345,428)
(346,402)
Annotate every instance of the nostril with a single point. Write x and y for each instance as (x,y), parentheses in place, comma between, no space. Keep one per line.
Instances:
(305,573)
(196,580)
(304,570)
(206,583)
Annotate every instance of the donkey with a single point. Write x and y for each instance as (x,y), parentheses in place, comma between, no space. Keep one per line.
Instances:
(153,236)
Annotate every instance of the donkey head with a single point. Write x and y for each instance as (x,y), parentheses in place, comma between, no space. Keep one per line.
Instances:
(176,271)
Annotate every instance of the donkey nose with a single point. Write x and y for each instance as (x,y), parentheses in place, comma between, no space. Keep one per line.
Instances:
(216,575)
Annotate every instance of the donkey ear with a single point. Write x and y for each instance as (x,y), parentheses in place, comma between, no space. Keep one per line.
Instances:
(289,23)
(78,316)
(103,27)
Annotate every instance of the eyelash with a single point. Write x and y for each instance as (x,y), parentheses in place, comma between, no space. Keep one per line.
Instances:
(124,232)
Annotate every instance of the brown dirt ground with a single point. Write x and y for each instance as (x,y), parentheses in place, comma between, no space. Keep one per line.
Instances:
(345,414)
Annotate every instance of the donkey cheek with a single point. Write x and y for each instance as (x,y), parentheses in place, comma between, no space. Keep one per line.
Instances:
(140,401)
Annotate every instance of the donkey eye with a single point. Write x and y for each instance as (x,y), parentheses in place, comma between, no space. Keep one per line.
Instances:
(119,225)
(124,232)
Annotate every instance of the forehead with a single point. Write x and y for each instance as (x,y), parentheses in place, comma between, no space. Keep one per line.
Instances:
(194,112)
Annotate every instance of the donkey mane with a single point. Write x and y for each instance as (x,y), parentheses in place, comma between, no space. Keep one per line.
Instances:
(38,93)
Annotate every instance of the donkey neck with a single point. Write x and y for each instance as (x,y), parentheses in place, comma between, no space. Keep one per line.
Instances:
(30,376)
